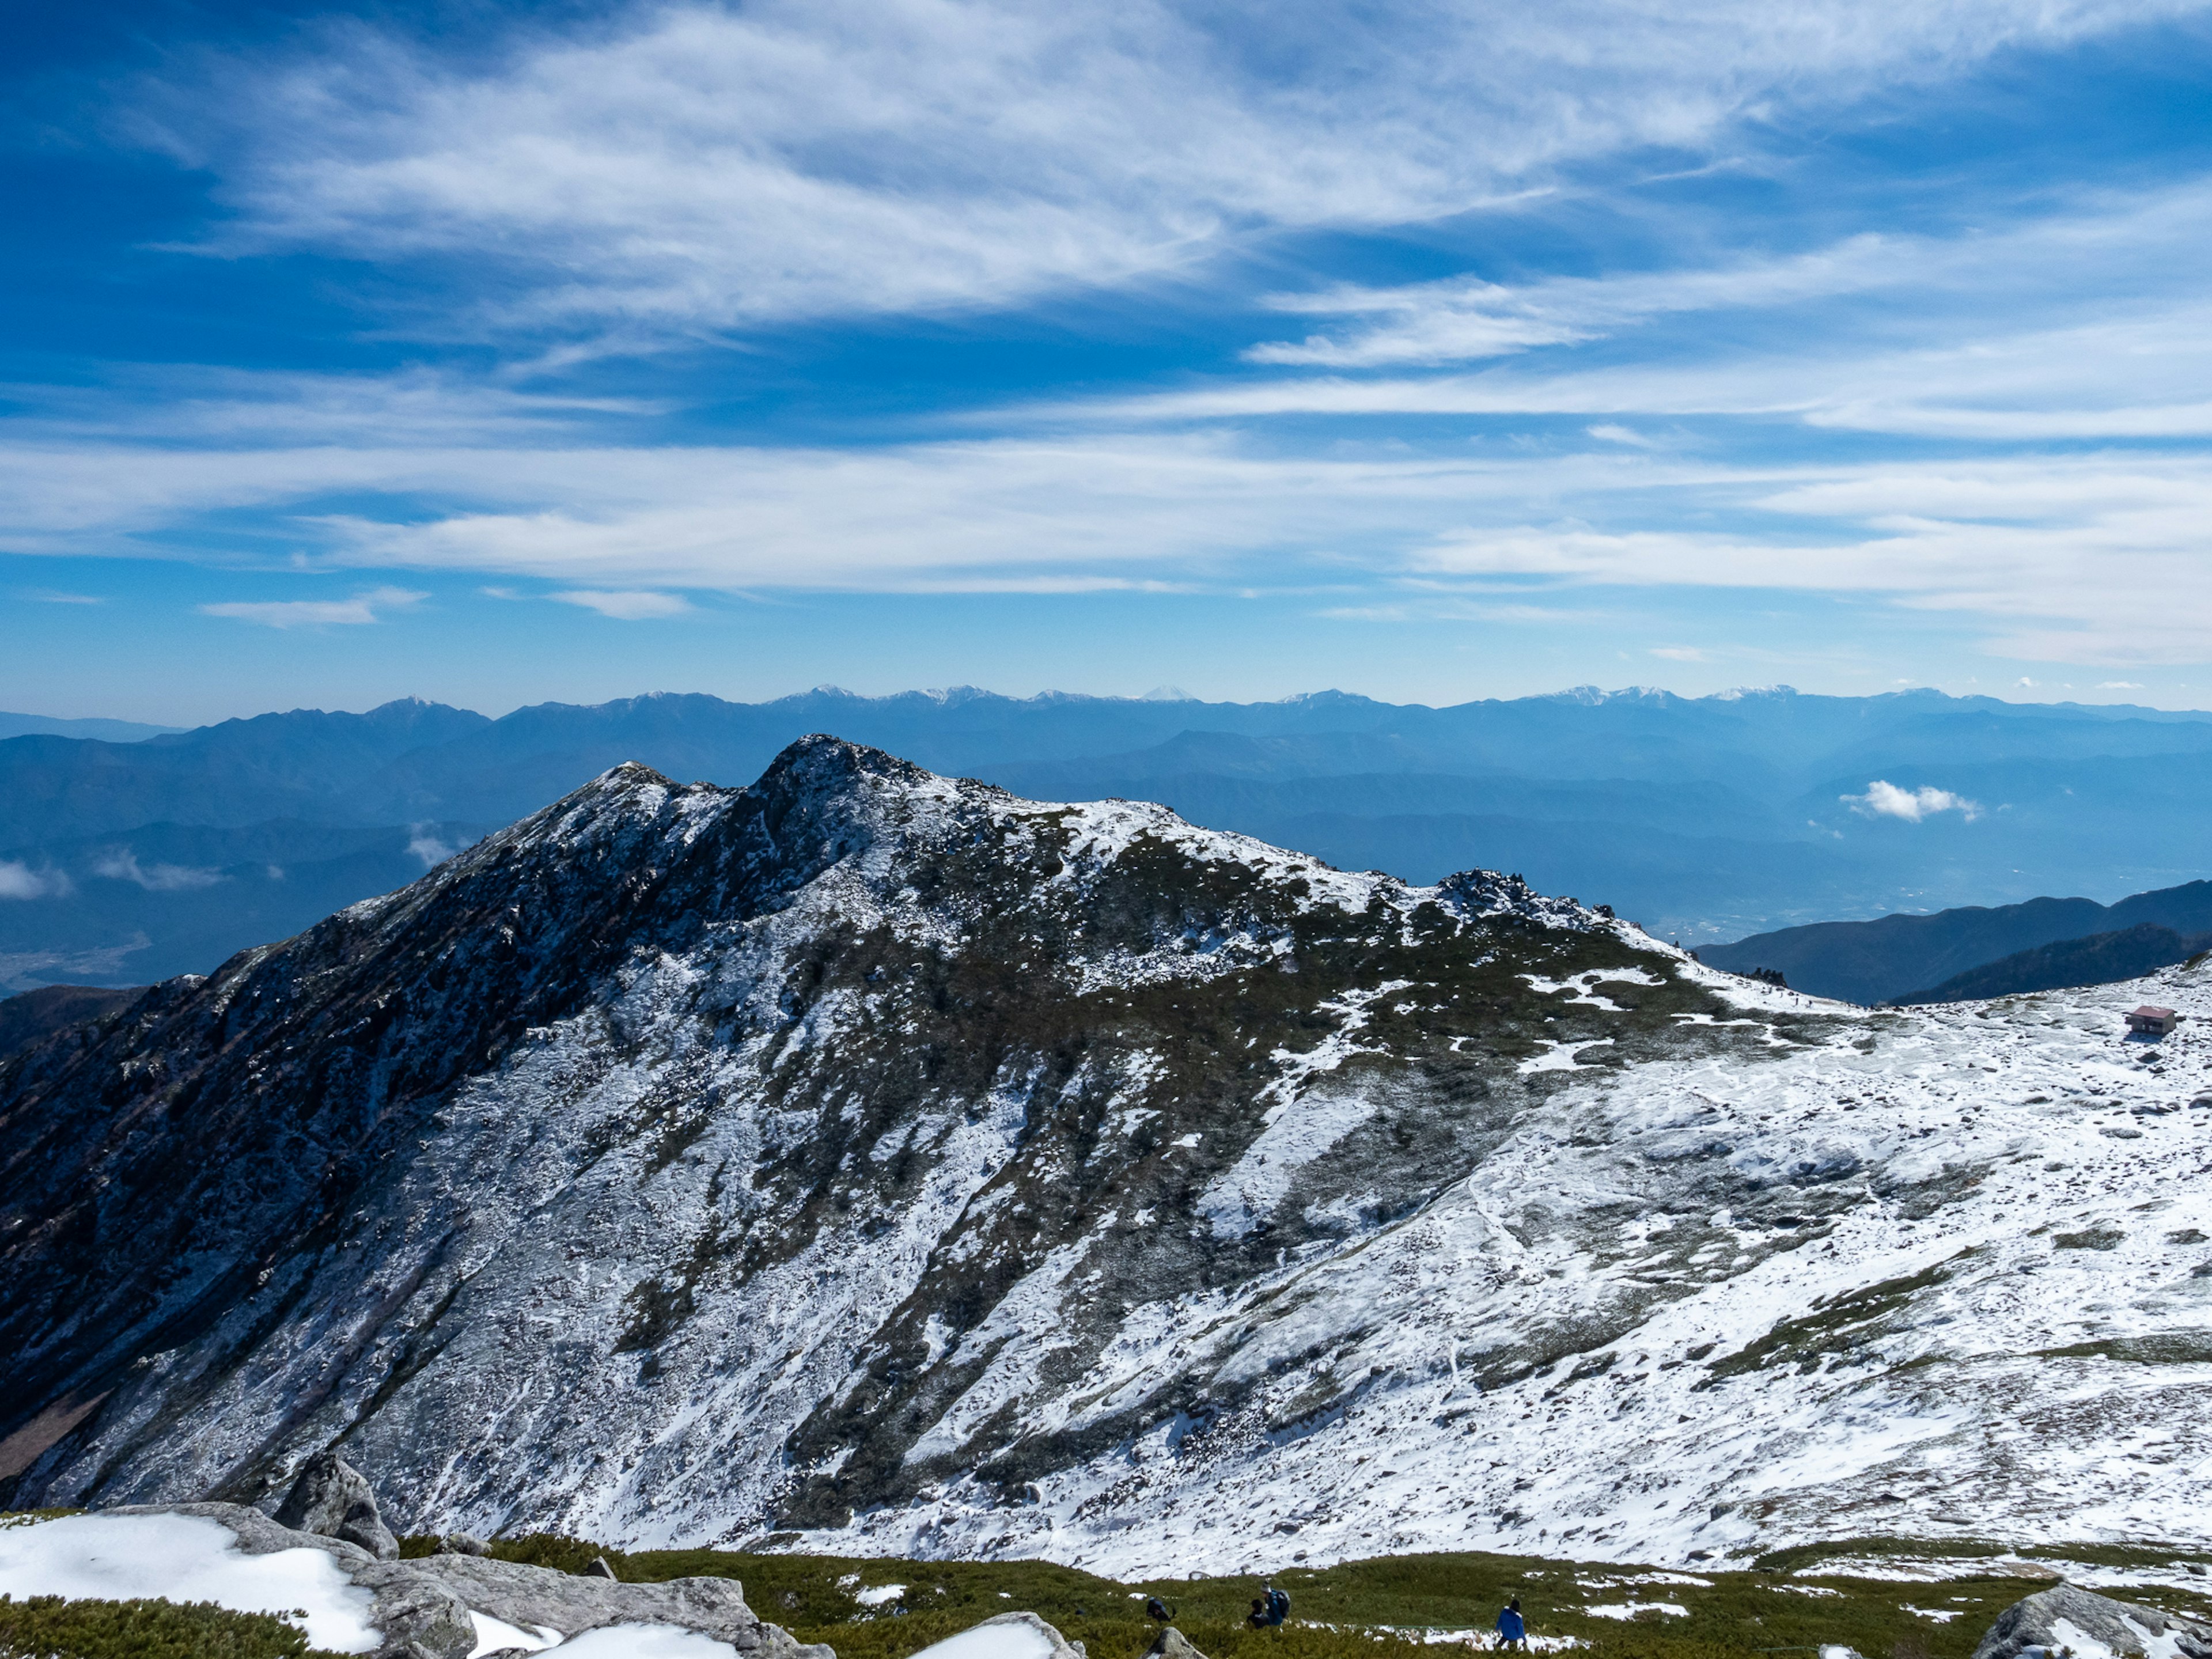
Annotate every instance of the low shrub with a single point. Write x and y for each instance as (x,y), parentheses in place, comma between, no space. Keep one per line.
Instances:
(49,1627)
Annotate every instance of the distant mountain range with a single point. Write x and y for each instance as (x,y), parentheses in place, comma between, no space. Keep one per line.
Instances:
(17,726)
(1702,818)
(1973,951)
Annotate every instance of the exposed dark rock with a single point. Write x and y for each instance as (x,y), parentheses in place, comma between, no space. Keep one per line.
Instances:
(599,1568)
(2066,1617)
(332,1498)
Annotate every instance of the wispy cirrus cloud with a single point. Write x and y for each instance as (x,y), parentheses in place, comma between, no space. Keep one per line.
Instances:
(361,609)
(689,167)
(122,865)
(632,604)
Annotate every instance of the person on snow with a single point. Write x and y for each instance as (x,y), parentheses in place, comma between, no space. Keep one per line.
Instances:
(1512,1629)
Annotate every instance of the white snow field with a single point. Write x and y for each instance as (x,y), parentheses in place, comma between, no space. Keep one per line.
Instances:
(185,1557)
(2005,1329)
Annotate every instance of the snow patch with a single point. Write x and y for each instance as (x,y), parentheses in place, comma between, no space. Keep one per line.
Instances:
(1017,1639)
(186,1558)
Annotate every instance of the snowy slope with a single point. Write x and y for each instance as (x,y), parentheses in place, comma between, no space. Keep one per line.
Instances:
(872,1161)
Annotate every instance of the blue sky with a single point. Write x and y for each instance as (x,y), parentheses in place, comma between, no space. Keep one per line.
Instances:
(1428,351)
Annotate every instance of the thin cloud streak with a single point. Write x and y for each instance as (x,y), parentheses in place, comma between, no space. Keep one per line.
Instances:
(2031,547)
(361,609)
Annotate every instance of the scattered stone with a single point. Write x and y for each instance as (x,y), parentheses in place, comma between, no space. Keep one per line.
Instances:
(333,1499)
(2078,1620)
(461,1543)
(1172,1644)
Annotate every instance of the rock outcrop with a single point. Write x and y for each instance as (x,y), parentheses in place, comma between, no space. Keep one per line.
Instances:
(422,1607)
(1172,1644)
(2066,1618)
(419,1615)
(333,1499)
(527,1596)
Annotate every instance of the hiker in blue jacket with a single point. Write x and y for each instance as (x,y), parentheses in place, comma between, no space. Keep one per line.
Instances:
(1512,1629)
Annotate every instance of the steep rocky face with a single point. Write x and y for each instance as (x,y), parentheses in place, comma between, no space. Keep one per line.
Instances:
(675,1151)
(876,1161)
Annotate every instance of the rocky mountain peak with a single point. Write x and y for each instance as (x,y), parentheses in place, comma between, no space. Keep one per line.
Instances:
(880,1160)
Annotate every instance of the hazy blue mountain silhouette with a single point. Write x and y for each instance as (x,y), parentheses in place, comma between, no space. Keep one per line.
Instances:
(1899,957)
(2099,959)
(1704,819)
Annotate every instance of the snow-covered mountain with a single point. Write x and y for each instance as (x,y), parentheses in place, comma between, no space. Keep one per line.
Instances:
(871,1161)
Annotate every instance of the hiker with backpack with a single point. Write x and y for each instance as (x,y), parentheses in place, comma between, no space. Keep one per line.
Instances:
(1512,1629)
(1269,1609)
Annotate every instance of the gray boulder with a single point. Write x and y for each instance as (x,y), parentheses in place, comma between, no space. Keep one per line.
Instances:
(461,1543)
(419,1616)
(422,1608)
(571,1603)
(1172,1644)
(2041,1624)
(332,1498)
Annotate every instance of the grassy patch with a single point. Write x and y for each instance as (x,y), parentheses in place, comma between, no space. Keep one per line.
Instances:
(1844,1327)
(1381,1608)
(48,1628)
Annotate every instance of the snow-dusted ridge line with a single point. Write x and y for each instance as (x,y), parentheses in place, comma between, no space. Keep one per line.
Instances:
(875,1163)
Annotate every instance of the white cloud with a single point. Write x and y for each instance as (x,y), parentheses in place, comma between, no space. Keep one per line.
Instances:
(424,843)
(2051,555)
(1886,801)
(363,608)
(1457,320)
(19,881)
(2118,685)
(1679,653)
(123,865)
(689,165)
(2115,262)
(632,605)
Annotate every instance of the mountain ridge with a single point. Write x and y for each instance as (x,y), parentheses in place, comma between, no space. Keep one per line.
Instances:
(1706,819)
(1901,958)
(876,1163)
